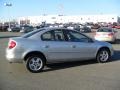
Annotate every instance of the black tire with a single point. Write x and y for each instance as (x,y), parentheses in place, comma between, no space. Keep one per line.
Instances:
(35,63)
(115,41)
(103,56)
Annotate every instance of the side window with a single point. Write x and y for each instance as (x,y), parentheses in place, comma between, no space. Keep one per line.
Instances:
(76,37)
(59,35)
(48,36)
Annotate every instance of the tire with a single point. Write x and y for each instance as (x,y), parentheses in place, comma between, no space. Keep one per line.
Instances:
(103,56)
(115,41)
(35,63)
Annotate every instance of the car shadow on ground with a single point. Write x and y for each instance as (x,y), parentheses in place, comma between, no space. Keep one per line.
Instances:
(116,56)
(64,65)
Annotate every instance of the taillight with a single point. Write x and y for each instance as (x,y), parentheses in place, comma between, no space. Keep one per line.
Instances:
(110,34)
(12,44)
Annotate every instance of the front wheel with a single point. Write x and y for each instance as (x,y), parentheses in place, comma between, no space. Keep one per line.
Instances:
(35,63)
(103,56)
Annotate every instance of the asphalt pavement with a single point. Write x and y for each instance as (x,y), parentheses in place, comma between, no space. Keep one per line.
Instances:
(84,75)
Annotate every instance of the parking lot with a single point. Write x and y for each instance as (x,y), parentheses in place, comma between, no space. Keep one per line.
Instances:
(85,75)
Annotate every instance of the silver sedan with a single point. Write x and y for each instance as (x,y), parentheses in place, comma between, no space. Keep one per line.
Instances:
(55,45)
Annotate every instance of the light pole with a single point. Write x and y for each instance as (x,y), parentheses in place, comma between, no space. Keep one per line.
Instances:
(8,5)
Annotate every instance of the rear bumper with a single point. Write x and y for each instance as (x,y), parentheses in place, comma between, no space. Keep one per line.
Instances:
(13,57)
(105,39)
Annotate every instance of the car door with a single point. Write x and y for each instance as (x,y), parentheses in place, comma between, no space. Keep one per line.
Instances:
(82,46)
(56,46)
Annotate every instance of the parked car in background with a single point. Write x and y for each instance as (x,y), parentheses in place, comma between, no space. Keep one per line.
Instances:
(77,28)
(46,45)
(26,29)
(117,27)
(3,28)
(9,29)
(15,29)
(86,29)
(105,34)
(95,26)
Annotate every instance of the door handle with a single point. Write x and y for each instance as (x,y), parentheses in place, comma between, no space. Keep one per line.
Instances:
(46,46)
(73,46)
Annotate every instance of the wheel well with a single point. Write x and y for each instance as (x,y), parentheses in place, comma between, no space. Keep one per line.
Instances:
(35,53)
(106,49)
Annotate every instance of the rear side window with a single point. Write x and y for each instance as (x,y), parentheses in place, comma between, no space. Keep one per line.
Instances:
(47,36)
(53,35)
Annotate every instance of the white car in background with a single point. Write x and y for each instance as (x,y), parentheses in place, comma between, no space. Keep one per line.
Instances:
(9,30)
(105,34)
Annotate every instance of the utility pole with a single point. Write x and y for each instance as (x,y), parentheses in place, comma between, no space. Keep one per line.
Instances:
(8,5)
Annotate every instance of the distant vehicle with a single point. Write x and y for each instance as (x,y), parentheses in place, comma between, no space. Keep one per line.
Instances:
(15,29)
(9,29)
(95,26)
(77,27)
(45,45)
(26,29)
(86,29)
(105,34)
(117,27)
(4,28)
(70,27)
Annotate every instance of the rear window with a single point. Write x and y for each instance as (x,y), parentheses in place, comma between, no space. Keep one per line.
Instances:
(31,33)
(104,30)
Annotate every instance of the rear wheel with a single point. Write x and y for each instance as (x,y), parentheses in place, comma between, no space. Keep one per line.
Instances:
(103,56)
(35,63)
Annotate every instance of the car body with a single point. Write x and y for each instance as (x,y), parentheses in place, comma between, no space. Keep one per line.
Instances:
(105,34)
(47,45)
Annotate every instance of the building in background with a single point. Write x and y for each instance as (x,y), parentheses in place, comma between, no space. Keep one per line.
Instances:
(36,20)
